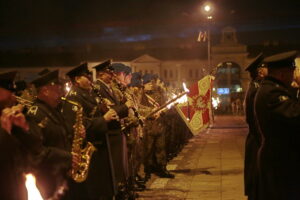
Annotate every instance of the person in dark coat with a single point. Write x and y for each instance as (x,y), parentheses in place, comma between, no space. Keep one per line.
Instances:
(257,71)
(103,87)
(278,116)
(12,158)
(100,182)
(47,140)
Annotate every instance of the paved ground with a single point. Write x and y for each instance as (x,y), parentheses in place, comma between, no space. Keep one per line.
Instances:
(210,167)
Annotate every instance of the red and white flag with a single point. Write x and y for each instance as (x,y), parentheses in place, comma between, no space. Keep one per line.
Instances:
(197,111)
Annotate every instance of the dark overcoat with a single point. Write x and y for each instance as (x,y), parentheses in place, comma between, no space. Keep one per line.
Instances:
(278,115)
(252,142)
(101,179)
(12,183)
(116,138)
(49,147)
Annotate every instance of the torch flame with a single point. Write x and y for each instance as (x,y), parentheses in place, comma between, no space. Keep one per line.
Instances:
(215,102)
(67,87)
(32,190)
(184,87)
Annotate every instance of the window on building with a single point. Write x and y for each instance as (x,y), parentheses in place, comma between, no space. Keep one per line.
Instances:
(196,73)
(176,74)
(165,73)
(171,74)
(191,73)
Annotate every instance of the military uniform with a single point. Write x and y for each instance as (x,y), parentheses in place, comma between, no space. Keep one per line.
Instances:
(278,115)
(12,166)
(12,153)
(252,142)
(253,139)
(154,138)
(116,138)
(100,180)
(50,148)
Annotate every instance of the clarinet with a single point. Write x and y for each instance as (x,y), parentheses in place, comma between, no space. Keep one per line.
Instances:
(104,104)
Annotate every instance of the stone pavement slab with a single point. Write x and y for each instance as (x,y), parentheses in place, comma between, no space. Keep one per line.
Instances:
(210,167)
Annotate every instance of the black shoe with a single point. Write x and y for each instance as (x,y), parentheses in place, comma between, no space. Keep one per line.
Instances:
(165,174)
(132,196)
(139,187)
(147,176)
(140,179)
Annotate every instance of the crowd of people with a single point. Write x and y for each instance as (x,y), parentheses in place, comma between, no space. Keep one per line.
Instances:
(272,154)
(101,139)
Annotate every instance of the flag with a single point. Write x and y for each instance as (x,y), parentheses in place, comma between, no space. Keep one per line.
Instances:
(197,110)
(202,36)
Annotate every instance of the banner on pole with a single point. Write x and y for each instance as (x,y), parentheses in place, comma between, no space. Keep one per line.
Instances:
(197,111)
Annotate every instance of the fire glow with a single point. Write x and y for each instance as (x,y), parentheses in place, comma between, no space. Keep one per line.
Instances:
(67,87)
(32,191)
(181,100)
(215,102)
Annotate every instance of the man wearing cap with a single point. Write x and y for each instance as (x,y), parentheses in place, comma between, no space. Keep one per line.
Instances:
(155,160)
(106,92)
(278,120)
(47,141)
(100,183)
(12,156)
(132,125)
(257,71)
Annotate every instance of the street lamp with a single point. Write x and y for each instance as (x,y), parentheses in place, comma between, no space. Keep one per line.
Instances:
(207,10)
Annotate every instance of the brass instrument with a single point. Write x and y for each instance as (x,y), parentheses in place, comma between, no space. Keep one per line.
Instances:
(80,172)
(24,102)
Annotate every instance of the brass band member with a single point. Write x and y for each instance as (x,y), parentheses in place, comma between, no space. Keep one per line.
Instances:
(12,161)
(47,141)
(117,139)
(100,182)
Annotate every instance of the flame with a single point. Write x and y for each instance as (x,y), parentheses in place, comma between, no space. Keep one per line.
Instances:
(184,87)
(32,190)
(215,102)
(67,87)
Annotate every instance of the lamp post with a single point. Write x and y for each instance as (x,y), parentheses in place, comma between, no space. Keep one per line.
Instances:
(207,10)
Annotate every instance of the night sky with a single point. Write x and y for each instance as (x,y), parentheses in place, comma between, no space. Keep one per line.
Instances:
(38,24)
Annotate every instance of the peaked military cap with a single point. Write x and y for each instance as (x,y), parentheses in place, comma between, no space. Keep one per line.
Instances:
(286,59)
(7,80)
(50,78)
(80,70)
(256,63)
(20,85)
(147,78)
(105,66)
(120,67)
(136,80)
(44,71)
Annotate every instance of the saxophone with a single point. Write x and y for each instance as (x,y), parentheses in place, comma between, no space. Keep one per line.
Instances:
(79,173)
